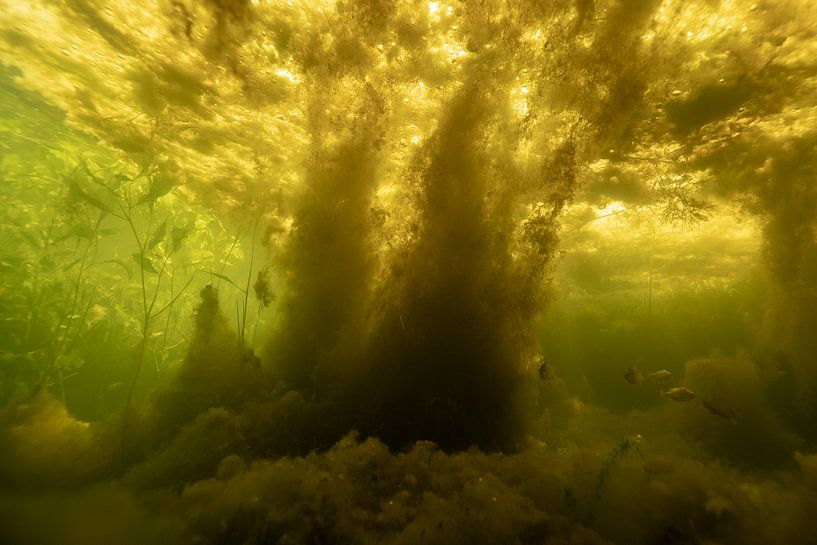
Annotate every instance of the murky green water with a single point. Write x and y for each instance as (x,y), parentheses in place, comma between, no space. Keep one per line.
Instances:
(408,272)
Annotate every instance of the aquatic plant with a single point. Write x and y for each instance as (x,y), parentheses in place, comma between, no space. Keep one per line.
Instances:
(608,466)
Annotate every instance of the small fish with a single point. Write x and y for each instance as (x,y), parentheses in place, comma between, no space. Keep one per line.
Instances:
(719,410)
(679,394)
(659,376)
(115,385)
(547,371)
(633,376)
(249,357)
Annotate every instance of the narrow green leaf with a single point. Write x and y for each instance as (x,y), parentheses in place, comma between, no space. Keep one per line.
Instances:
(145,263)
(225,278)
(178,234)
(78,192)
(122,264)
(158,236)
(159,187)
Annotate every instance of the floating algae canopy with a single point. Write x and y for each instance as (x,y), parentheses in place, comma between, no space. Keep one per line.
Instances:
(387,271)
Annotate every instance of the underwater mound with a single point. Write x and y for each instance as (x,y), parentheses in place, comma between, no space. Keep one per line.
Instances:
(207,487)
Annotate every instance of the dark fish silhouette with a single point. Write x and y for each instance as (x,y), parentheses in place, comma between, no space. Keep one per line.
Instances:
(679,394)
(658,376)
(719,410)
(547,371)
(633,376)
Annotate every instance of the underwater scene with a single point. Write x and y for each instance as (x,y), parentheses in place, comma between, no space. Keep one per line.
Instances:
(408,272)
